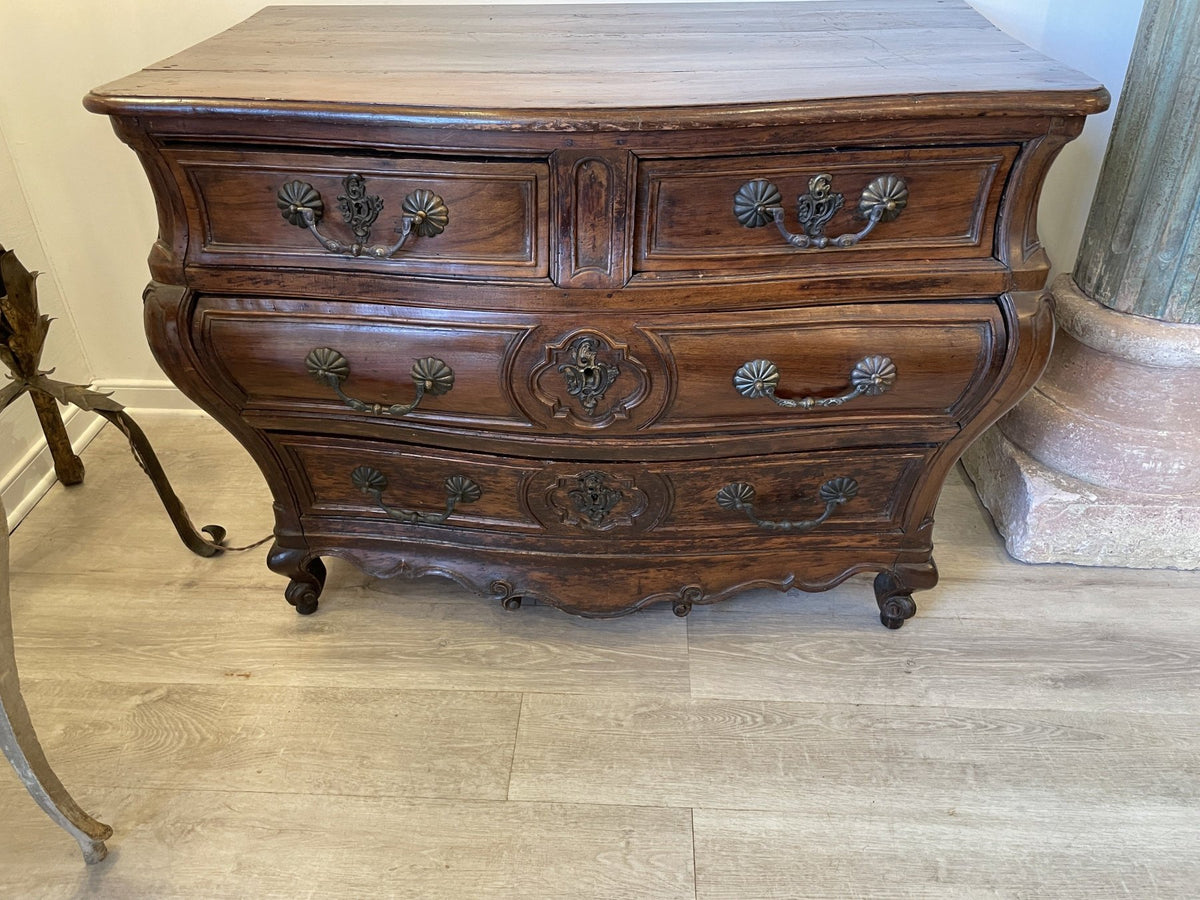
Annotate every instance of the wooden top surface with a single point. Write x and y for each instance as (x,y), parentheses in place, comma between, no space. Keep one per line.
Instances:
(485,63)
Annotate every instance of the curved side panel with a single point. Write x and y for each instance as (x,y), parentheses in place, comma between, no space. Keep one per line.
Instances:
(1017,241)
(1029,321)
(167,314)
(170,250)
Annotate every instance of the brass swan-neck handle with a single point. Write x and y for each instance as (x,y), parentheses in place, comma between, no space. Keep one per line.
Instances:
(739,496)
(429,375)
(759,202)
(459,489)
(870,377)
(301,204)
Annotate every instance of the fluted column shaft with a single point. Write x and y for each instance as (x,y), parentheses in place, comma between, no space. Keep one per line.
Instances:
(1100,463)
(1140,252)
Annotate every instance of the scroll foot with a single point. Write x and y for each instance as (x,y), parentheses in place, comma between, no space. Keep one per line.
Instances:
(507,594)
(205,542)
(307,574)
(894,590)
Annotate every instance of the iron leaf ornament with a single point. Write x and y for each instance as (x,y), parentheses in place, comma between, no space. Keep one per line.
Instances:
(23,331)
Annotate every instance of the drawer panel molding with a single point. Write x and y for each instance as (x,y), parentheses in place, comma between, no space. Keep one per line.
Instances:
(590,379)
(595,389)
(706,217)
(403,489)
(312,358)
(823,365)
(591,192)
(463,218)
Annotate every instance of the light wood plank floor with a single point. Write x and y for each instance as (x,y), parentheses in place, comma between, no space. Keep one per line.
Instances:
(1034,732)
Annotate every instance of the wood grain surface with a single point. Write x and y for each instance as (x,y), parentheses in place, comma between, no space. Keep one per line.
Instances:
(595,290)
(1038,736)
(654,56)
(274,845)
(1074,854)
(806,758)
(497,211)
(685,223)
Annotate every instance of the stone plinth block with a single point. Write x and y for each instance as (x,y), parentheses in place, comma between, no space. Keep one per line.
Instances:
(1047,517)
(1100,463)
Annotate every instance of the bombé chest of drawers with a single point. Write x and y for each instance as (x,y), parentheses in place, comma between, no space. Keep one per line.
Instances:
(603,305)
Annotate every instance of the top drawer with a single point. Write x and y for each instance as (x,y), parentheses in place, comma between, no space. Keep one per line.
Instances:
(944,202)
(467,218)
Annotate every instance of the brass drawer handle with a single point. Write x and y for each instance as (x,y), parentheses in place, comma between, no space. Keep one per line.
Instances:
(758,202)
(425,214)
(740,496)
(871,376)
(429,374)
(459,489)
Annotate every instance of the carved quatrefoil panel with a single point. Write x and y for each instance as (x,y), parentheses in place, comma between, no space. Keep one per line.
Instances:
(590,379)
(596,502)
(578,501)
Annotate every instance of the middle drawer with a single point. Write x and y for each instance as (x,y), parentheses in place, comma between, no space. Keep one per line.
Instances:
(614,376)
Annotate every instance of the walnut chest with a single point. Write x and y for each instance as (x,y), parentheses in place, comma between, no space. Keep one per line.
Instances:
(604,305)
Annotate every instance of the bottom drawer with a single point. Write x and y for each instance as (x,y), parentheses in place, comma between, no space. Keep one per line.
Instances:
(440,495)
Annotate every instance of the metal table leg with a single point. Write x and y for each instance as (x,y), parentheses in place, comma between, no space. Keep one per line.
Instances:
(19,741)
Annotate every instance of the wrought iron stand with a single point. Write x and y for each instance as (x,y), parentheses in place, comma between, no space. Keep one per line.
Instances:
(22,335)
(20,743)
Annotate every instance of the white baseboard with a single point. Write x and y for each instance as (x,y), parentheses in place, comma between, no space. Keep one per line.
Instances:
(144,395)
(27,481)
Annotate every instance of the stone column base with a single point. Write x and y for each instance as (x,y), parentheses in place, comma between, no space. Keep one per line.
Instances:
(1048,517)
(1100,464)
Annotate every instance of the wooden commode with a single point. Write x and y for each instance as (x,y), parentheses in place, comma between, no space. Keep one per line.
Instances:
(604,305)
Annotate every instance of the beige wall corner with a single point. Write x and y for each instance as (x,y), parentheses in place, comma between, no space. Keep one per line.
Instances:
(26,468)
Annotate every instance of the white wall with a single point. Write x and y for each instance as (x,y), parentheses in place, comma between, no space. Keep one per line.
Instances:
(92,205)
(26,468)
(1093,36)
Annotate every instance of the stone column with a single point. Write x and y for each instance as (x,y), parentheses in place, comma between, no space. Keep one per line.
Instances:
(1100,463)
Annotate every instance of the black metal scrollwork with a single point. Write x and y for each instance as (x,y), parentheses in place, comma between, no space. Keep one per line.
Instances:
(424,214)
(870,377)
(759,203)
(359,209)
(429,374)
(593,498)
(459,489)
(739,496)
